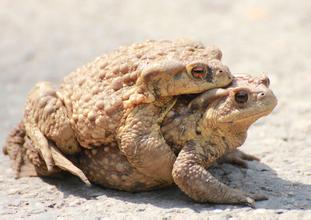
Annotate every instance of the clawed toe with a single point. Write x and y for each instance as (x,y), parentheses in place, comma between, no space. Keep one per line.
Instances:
(250,202)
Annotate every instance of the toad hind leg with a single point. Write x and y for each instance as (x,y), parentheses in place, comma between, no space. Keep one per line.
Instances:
(41,144)
(142,143)
(190,175)
(61,162)
(27,161)
(13,147)
(65,164)
(46,117)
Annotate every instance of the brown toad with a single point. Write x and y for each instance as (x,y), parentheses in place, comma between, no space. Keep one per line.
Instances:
(218,122)
(122,97)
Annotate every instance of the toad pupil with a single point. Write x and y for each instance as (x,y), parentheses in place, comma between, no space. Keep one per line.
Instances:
(241,97)
(199,72)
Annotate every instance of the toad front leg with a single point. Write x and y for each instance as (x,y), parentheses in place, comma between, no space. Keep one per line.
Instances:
(191,176)
(142,143)
(46,119)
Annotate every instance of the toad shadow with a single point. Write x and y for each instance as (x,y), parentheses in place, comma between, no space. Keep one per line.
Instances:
(259,177)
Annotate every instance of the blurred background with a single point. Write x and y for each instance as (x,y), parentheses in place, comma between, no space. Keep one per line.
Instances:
(45,40)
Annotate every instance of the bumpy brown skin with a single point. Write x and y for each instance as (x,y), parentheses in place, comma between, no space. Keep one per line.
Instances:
(26,160)
(122,97)
(200,131)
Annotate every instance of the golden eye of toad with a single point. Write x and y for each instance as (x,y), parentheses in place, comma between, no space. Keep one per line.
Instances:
(199,72)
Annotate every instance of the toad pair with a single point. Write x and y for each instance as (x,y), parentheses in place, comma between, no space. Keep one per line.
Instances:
(128,121)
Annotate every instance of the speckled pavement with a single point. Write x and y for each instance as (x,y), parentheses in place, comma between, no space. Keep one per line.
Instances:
(45,40)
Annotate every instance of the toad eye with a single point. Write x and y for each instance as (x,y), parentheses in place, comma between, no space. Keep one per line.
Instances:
(199,72)
(241,97)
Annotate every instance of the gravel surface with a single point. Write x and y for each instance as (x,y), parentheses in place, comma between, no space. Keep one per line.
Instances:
(44,40)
